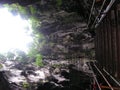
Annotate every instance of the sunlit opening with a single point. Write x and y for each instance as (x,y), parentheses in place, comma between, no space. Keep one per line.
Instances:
(15,33)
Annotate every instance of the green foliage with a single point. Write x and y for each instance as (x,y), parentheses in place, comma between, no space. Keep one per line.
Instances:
(23,11)
(25,85)
(29,13)
(10,55)
(26,12)
(2,57)
(33,10)
(34,21)
(21,56)
(39,60)
(14,55)
(1,66)
(39,41)
(17,9)
(56,65)
(59,2)
(32,52)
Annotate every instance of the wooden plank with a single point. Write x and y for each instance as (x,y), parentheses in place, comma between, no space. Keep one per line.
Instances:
(117,12)
(110,58)
(114,43)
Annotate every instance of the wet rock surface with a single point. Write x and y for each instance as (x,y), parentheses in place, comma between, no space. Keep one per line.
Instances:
(66,37)
(55,76)
(74,80)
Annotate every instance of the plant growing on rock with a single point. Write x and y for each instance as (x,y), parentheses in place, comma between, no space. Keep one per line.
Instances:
(25,85)
(38,61)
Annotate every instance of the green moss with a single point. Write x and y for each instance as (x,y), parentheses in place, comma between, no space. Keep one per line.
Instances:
(1,66)
(39,60)
(25,85)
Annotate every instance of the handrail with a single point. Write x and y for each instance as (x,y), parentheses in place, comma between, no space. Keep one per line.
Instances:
(99,13)
(112,77)
(104,77)
(91,12)
(94,76)
(105,11)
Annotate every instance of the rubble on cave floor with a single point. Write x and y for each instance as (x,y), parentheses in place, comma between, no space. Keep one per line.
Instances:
(55,76)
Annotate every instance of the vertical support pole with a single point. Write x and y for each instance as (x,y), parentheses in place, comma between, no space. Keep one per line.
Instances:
(118,41)
(103,49)
(106,45)
(98,46)
(110,58)
(114,43)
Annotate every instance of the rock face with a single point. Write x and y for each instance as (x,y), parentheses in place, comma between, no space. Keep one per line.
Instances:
(56,76)
(4,84)
(63,24)
(29,75)
(72,80)
(80,79)
(66,38)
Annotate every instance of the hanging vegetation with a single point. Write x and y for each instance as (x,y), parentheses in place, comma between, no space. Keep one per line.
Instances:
(29,13)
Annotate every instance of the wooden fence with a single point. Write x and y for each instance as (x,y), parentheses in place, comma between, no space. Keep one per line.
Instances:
(107,42)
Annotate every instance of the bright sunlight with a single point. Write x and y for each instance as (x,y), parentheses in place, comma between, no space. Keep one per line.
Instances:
(15,33)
